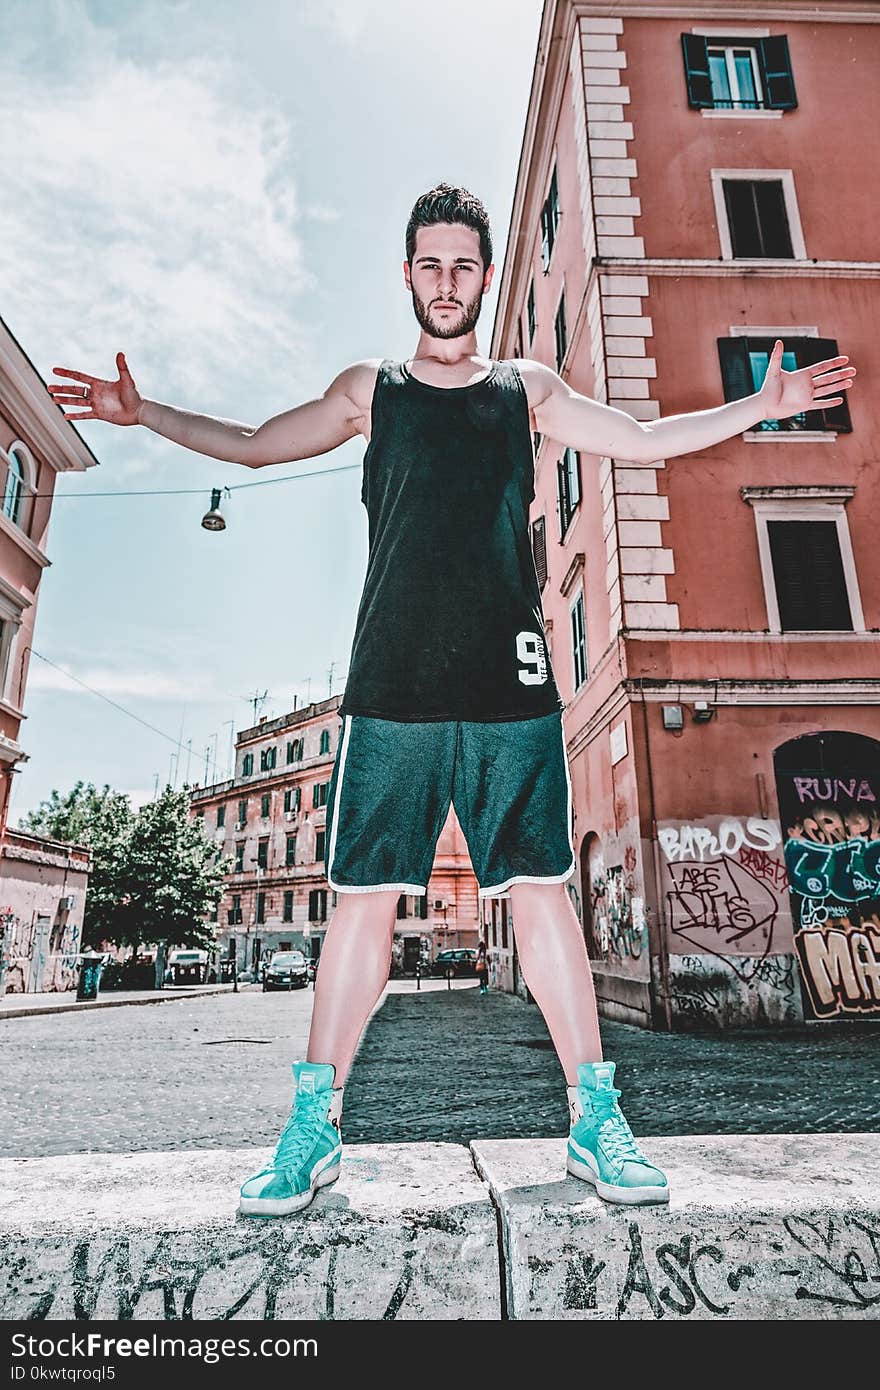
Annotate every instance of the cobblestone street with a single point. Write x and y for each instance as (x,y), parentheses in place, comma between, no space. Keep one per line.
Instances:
(213,1072)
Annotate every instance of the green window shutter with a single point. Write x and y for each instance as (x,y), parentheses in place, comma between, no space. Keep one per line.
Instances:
(810,350)
(696,70)
(736,373)
(775,61)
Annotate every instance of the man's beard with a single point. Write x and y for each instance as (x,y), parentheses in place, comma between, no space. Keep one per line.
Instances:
(457,323)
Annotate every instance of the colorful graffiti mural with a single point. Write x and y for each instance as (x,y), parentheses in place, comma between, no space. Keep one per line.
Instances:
(616,928)
(829,796)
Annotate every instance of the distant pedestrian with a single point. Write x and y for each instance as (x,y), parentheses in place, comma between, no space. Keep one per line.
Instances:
(483,967)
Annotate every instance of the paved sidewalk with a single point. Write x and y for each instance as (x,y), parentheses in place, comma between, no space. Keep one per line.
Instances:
(65,1001)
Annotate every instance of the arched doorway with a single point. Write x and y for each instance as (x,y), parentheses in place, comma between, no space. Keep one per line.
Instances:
(591,870)
(828,785)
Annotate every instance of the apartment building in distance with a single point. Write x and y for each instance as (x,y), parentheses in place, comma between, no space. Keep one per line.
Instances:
(695,181)
(271,820)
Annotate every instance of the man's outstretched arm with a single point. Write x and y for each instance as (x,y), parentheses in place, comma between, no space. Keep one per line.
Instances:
(305,431)
(594,428)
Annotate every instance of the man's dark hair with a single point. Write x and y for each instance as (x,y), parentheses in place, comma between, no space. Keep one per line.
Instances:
(446,203)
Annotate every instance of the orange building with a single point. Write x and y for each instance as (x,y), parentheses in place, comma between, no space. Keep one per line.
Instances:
(39,923)
(695,181)
(270,820)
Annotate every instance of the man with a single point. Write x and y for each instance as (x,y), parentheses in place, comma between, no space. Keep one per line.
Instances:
(450,693)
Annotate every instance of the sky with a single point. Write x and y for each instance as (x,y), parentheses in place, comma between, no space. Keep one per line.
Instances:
(221,192)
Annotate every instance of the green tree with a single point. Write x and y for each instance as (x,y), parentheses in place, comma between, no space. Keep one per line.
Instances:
(155,877)
(103,821)
(173,876)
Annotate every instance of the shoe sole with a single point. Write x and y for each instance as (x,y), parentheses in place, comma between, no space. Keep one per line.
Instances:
(259,1206)
(625,1196)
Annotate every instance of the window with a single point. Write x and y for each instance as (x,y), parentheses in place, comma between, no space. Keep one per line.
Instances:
(263,854)
(287,912)
(539,549)
(292,799)
(808,576)
(319,793)
(290,752)
(325,741)
(268,759)
(744,364)
(247,764)
(530,311)
(290,851)
(242,814)
(579,641)
(504,924)
(518,345)
(295,750)
(200,815)
(401,906)
(730,74)
(568,487)
(318,905)
(221,816)
(757,218)
(265,803)
(239,858)
(14,490)
(320,838)
(261,908)
(549,220)
(233,916)
(423,906)
(561,331)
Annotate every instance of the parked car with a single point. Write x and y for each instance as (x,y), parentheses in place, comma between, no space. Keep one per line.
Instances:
(313,968)
(286,970)
(460,961)
(187,967)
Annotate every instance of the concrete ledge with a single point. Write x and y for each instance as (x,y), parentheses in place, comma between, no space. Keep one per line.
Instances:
(780,1226)
(770,1227)
(408,1231)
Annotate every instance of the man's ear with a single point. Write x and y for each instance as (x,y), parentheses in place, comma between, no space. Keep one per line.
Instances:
(487,278)
(406,275)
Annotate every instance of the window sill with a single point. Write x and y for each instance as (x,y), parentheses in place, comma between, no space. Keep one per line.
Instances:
(789,436)
(723,114)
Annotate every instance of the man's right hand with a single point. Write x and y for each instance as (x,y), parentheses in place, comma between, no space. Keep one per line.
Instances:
(118,402)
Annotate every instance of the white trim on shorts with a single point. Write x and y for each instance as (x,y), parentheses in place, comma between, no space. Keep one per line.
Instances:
(497,888)
(357,887)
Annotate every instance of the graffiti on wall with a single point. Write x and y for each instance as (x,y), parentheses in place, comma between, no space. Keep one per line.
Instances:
(832,855)
(726,897)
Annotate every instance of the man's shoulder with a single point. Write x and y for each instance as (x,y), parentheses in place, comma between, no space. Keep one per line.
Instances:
(358,381)
(538,379)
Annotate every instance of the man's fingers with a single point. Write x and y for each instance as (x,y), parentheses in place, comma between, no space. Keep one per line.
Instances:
(77,376)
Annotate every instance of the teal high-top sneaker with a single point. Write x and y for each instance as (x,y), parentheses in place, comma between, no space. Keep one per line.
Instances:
(601,1146)
(309,1152)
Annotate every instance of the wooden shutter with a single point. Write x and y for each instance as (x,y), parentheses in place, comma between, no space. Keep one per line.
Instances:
(539,549)
(809,578)
(775,61)
(810,350)
(696,70)
(736,372)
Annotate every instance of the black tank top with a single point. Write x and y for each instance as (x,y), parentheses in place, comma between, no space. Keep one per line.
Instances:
(450,623)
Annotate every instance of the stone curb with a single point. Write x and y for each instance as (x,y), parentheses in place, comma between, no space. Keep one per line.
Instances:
(780,1227)
(160,997)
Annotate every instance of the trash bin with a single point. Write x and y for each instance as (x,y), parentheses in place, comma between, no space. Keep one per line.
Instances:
(90,963)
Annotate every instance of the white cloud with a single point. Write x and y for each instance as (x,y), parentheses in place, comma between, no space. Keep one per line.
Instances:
(138,683)
(149,208)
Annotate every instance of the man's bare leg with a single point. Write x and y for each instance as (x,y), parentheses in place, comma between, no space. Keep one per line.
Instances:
(355,962)
(601,1147)
(556,968)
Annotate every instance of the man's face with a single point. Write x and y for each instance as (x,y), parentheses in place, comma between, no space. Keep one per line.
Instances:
(446,279)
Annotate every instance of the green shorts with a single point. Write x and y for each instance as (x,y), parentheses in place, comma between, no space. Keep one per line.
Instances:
(393,782)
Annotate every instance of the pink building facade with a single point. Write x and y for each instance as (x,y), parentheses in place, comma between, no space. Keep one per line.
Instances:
(695,181)
(270,820)
(37,936)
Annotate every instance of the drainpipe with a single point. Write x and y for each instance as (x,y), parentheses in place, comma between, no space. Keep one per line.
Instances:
(662,940)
